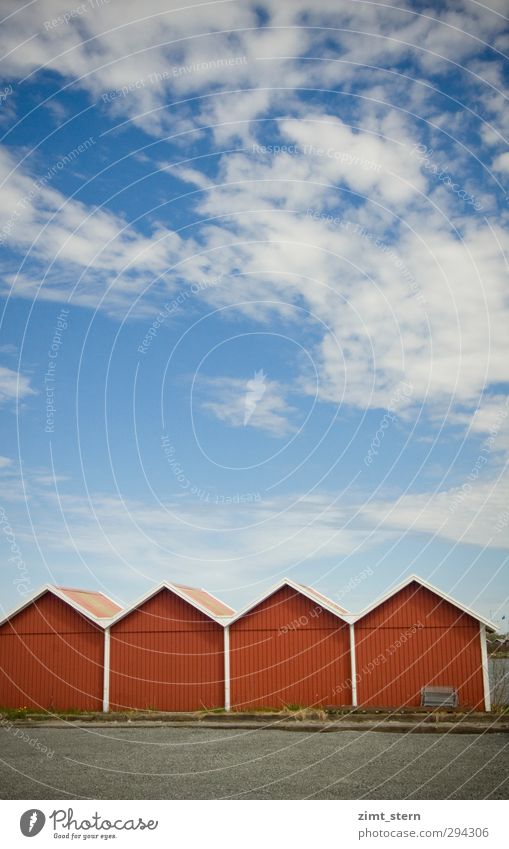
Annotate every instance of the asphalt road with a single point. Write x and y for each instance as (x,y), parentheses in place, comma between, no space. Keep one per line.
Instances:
(198,763)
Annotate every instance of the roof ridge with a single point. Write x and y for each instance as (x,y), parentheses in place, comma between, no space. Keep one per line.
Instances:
(211,596)
(327,598)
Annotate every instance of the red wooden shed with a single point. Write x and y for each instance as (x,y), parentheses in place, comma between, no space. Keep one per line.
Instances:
(166,651)
(290,647)
(52,650)
(180,648)
(417,637)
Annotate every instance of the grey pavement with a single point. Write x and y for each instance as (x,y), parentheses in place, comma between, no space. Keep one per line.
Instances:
(199,763)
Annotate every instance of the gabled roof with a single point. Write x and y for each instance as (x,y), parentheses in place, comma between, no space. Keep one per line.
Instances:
(417,580)
(198,598)
(94,605)
(322,598)
(207,600)
(309,592)
(102,610)
(98,604)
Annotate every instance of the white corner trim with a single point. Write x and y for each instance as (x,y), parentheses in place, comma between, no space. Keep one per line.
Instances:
(106,678)
(227,704)
(485,667)
(353,665)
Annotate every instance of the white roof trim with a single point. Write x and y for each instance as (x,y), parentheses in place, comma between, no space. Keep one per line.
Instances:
(106,622)
(166,585)
(287,582)
(103,622)
(418,580)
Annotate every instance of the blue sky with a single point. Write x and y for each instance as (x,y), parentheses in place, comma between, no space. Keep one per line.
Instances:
(254,297)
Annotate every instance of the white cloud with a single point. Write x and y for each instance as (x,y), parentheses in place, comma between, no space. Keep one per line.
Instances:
(98,251)
(389,286)
(474,512)
(13,385)
(393,298)
(368,162)
(501,163)
(231,545)
(491,416)
(103,55)
(238,403)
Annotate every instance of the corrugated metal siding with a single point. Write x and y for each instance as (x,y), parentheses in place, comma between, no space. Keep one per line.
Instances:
(281,653)
(166,655)
(51,657)
(445,651)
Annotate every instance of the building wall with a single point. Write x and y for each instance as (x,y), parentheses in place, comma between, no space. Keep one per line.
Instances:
(289,651)
(416,639)
(166,655)
(51,657)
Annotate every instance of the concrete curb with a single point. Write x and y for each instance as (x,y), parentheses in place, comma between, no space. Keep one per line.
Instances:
(326,727)
(307,715)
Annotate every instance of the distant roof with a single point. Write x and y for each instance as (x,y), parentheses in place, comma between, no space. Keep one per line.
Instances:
(320,597)
(206,600)
(96,603)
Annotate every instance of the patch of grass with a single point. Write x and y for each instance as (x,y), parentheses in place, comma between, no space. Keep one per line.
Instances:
(15,713)
(40,713)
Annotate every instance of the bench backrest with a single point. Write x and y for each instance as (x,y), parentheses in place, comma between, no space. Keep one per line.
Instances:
(439,697)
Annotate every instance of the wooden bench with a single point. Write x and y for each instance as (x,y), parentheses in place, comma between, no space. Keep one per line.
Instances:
(446,697)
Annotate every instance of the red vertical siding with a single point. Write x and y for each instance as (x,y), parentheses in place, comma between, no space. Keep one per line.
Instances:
(289,650)
(413,640)
(166,655)
(51,657)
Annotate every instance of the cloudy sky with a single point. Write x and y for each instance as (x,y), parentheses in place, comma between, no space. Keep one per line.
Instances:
(255,296)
